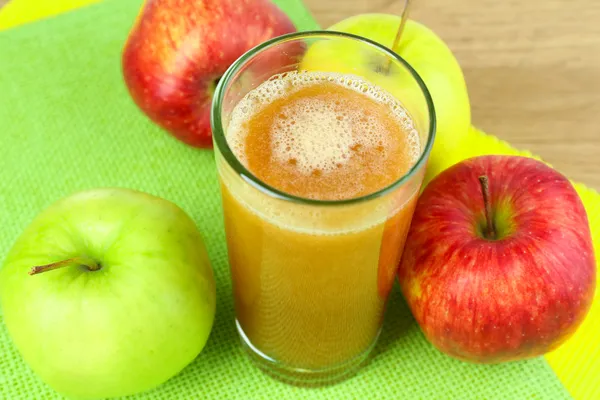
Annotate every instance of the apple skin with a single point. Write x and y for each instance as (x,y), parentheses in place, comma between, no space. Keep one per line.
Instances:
(177,51)
(427,54)
(126,327)
(512,298)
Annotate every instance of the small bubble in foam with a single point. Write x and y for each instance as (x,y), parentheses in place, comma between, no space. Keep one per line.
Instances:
(314,213)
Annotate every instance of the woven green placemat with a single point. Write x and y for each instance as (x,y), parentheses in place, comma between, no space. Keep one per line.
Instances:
(67,123)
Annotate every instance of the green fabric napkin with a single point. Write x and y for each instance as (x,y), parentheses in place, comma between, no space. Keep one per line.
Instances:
(67,123)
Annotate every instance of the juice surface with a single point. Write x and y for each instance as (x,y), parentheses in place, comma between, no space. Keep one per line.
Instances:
(310,286)
(322,136)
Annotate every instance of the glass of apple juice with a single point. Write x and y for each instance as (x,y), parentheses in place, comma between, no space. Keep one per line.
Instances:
(321,140)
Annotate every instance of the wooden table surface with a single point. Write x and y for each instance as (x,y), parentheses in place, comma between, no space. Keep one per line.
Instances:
(532,69)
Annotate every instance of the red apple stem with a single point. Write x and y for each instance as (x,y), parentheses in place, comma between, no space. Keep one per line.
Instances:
(84,261)
(396,42)
(490,230)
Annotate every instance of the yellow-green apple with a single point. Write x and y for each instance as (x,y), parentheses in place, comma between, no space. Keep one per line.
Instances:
(426,53)
(498,264)
(178,50)
(108,292)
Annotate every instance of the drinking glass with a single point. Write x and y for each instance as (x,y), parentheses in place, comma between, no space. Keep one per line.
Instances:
(311,278)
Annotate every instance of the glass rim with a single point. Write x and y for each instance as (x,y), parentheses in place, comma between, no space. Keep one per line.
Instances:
(219,138)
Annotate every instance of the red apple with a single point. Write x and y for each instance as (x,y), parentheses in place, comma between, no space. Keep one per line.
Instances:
(511,287)
(178,50)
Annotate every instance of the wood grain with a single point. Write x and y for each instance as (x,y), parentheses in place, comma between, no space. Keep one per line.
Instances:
(532,69)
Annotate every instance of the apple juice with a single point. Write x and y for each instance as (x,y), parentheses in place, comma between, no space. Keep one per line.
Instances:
(311,281)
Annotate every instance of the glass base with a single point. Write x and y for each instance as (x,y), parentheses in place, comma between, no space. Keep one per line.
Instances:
(304,377)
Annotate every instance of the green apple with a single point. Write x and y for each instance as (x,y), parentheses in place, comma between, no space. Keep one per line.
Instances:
(121,296)
(426,53)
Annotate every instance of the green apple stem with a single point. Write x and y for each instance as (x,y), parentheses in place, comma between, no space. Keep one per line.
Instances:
(403,19)
(490,230)
(396,42)
(90,264)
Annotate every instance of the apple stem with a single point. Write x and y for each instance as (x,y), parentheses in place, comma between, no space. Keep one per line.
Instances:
(490,230)
(84,261)
(396,42)
(403,19)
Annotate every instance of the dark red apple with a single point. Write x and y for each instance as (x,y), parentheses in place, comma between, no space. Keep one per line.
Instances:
(508,284)
(178,49)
